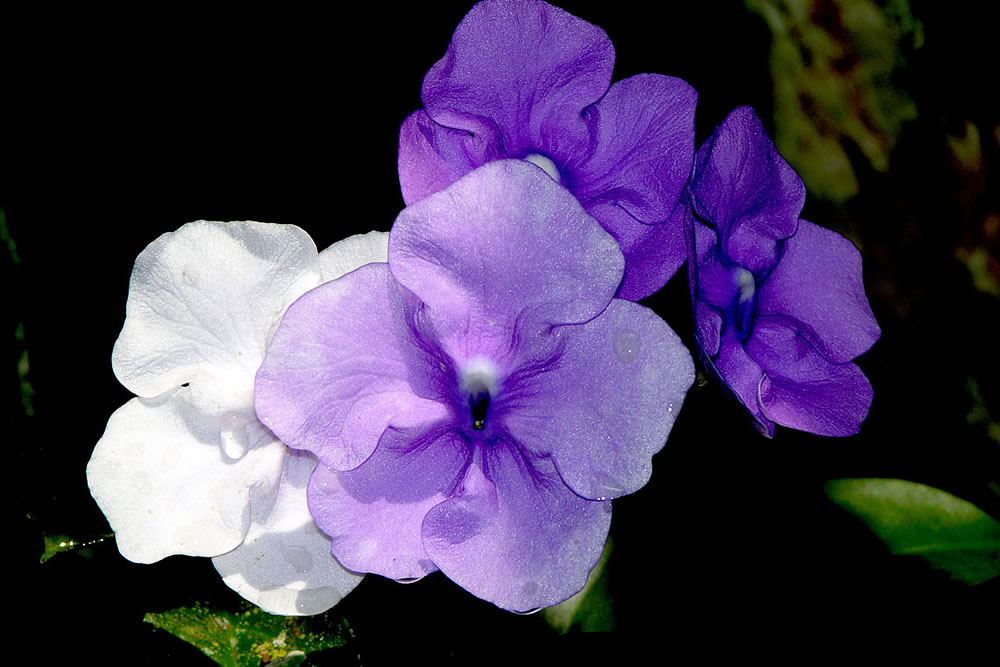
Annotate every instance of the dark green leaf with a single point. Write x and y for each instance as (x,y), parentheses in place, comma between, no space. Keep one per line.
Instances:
(913,519)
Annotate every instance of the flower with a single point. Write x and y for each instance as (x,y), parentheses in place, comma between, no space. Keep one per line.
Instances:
(186,468)
(523,79)
(780,307)
(475,403)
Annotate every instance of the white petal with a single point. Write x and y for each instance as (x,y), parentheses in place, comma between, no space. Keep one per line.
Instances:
(202,302)
(353,252)
(162,480)
(284,565)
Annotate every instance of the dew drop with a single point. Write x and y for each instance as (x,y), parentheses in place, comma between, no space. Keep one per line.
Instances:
(234,438)
(190,274)
(297,557)
(627,345)
(316,600)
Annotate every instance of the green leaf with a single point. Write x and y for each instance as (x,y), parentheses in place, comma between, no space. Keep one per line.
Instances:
(248,638)
(590,609)
(913,519)
(57,544)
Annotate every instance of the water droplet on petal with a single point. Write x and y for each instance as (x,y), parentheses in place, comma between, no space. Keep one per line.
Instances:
(316,600)
(604,487)
(300,559)
(190,274)
(234,437)
(627,345)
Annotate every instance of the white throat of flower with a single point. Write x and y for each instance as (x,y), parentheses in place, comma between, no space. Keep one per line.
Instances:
(545,164)
(478,378)
(745,281)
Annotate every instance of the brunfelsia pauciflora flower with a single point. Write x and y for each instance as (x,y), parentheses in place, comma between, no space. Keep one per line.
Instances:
(780,307)
(186,467)
(477,402)
(523,79)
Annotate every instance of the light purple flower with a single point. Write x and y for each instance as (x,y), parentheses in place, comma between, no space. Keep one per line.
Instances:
(523,79)
(186,467)
(476,403)
(780,307)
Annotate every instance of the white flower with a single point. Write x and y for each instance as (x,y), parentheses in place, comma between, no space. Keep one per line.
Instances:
(186,467)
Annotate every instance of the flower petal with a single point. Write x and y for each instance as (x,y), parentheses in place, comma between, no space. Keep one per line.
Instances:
(201,303)
(742,376)
(521,71)
(520,540)
(355,251)
(162,480)
(801,389)
(743,186)
(432,157)
(374,513)
(503,243)
(609,405)
(284,565)
(817,283)
(653,253)
(342,366)
(643,137)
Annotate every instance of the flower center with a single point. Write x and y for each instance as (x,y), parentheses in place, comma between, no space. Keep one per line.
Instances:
(478,385)
(545,164)
(747,286)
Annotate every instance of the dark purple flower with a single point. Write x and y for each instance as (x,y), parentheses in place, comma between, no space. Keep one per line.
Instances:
(523,79)
(780,308)
(477,401)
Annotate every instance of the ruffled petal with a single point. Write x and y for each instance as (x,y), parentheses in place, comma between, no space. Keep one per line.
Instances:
(607,403)
(342,367)
(374,513)
(703,270)
(522,71)
(817,284)
(355,251)
(519,539)
(284,565)
(653,253)
(801,389)
(643,137)
(742,376)
(743,187)
(502,246)
(166,486)
(432,157)
(202,301)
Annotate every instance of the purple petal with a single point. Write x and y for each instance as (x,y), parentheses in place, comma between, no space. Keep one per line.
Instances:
(432,157)
(703,267)
(643,137)
(747,190)
(817,283)
(342,366)
(373,513)
(653,253)
(504,243)
(801,389)
(743,376)
(609,403)
(519,539)
(522,71)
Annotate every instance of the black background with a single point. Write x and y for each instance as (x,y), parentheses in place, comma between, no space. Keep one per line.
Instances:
(119,127)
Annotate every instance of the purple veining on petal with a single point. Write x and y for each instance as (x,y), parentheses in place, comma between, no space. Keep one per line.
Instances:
(510,393)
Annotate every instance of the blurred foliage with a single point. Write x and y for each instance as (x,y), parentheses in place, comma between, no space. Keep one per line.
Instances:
(833,64)
(979,247)
(913,519)
(590,609)
(253,637)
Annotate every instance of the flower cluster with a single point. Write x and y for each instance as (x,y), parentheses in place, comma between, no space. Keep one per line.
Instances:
(470,392)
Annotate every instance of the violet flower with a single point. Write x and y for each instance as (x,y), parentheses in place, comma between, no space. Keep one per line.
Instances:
(186,468)
(523,79)
(475,403)
(780,308)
